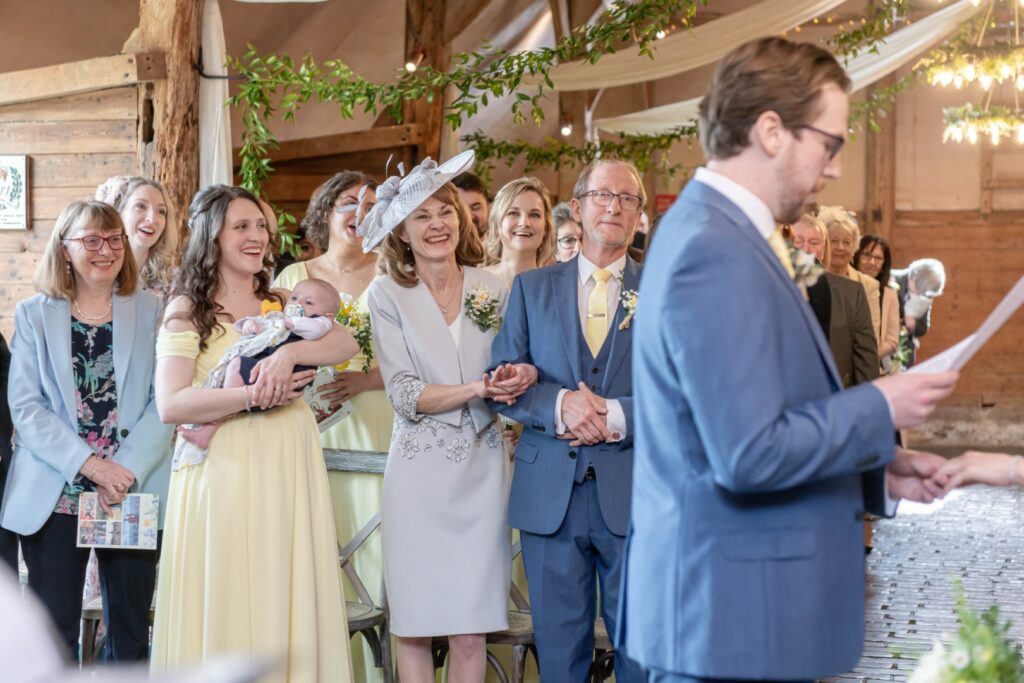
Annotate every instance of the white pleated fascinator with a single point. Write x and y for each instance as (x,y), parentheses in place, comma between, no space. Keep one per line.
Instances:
(399,195)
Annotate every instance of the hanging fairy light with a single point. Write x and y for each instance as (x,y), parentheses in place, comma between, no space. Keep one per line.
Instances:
(986,64)
(969,123)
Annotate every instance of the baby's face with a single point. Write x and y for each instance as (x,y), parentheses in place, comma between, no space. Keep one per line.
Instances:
(313,301)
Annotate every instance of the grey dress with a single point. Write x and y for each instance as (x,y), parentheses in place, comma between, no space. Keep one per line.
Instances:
(444,516)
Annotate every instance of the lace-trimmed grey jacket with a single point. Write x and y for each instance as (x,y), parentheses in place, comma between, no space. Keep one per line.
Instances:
(415,347)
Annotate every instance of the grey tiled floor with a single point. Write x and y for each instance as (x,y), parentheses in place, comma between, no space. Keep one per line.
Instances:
(976,535)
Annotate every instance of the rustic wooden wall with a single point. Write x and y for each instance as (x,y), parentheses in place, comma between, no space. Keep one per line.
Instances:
(301,166)
(74,143)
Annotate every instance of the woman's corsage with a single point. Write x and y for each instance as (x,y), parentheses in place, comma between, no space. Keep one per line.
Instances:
(482,308)
(359,324)
(628,301)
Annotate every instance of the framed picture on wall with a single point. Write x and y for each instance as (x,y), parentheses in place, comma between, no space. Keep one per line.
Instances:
(14,192)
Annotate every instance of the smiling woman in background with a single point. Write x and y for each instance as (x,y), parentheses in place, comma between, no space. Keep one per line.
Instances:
(152,227)
(521,235)
(874,259)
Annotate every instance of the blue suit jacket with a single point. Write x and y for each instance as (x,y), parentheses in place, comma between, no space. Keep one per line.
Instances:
(48,452)
(745,555)
(542,327)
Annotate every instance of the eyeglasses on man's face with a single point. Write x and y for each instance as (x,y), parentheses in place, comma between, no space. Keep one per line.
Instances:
(833,144)
(95,242)
(630,202)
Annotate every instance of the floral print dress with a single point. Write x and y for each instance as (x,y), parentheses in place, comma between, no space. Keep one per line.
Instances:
(92,360)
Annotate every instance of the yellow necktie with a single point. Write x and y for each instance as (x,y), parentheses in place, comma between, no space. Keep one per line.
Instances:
(597,312)
(778,245)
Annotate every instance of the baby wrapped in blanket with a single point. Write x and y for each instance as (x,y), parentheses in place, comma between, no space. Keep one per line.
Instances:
(308,314)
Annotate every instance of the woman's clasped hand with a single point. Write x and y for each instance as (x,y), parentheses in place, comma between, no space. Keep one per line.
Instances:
(112,481)
(508,382)
(275,382)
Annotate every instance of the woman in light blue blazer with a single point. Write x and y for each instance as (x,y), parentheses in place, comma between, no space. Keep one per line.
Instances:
(81,399)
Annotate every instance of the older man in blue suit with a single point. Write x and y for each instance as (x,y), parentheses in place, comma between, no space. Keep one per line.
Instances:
(574,461)
(753,467)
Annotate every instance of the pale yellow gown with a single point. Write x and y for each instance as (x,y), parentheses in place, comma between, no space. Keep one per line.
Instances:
(249,561)
(356,497)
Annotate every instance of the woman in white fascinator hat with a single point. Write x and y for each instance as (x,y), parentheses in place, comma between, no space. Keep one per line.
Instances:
(444,514)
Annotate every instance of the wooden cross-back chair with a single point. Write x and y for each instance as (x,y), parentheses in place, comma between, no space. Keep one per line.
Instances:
(364,615)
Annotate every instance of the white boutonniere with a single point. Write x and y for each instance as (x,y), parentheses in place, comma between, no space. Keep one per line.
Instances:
(482,308)
(806,269)
(628,301)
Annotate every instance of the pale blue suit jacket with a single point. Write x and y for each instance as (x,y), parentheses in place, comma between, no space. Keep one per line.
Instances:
(48,453)
(542,327)
(745,556)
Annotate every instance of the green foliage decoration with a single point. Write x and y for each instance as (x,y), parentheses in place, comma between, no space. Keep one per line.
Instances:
(278,86)
(647,152)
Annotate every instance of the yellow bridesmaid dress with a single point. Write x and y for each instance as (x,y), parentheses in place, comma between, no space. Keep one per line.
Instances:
(356,496)
(249,560)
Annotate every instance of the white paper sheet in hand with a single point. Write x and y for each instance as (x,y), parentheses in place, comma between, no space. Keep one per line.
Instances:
(956,356)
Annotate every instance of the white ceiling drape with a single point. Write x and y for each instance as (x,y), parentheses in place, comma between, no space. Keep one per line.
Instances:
(688,49)
(214,117)
(899,48)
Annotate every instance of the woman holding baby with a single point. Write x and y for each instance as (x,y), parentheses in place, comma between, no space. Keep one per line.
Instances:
(249,563)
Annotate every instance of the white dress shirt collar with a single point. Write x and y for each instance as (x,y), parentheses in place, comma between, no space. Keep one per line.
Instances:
(748,202)
(587,267)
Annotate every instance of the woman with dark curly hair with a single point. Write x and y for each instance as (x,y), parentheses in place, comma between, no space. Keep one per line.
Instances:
(249,562)
(330,223)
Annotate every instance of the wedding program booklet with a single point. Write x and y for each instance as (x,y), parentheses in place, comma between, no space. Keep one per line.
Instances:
(131,525)
(956,356)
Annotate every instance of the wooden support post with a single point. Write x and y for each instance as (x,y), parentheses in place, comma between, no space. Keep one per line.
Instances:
(880,207)
(425,43)
(987,186)
(172,27)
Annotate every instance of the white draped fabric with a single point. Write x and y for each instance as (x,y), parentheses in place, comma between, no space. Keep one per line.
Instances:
(899,48)
(689,49)
(214,117)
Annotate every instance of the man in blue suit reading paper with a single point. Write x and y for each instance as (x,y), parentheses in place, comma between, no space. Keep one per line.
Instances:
(753,467)
(574,461)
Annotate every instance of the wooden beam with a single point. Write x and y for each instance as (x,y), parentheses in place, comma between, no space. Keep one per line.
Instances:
(459,18)
(347,143)
(986,179)
(424,39)
(75,78)
(172,26)
(560,18)
(880,207)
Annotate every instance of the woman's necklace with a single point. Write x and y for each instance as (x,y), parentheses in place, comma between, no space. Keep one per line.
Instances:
(346,271)
(446,299)
(102,316)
